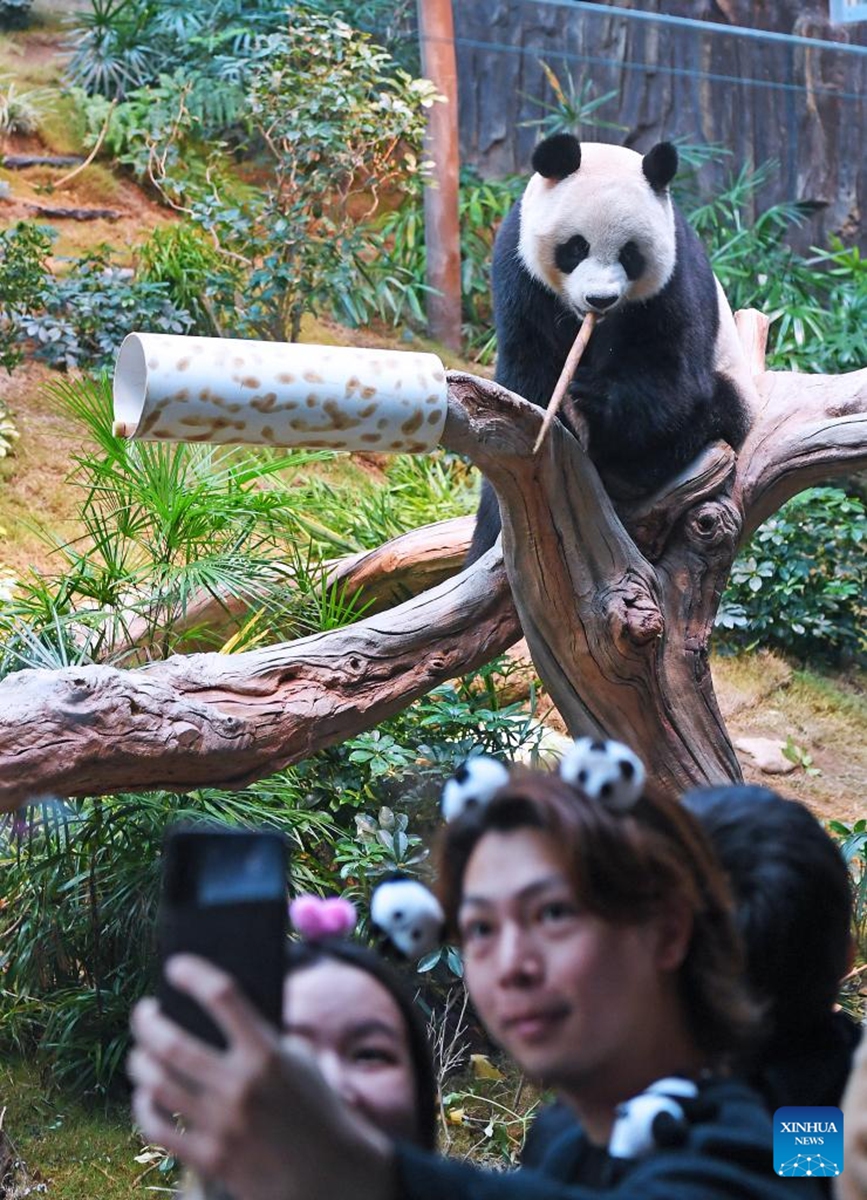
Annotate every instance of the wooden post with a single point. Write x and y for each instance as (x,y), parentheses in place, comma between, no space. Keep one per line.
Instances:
(442,229)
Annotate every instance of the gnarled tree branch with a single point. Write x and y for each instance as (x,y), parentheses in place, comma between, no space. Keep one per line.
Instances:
(228,719)
(617,602)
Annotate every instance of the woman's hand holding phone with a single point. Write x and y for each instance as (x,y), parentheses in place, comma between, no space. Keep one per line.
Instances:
(257,1115)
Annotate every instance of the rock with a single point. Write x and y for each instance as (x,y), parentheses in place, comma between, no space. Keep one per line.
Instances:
(767,754)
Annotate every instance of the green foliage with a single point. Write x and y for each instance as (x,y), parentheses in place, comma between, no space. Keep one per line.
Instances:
(21,112)
(84,315)
(109,48)
(852,840)
(15,14)
(81,318)
(24,249)
(362,513)
(800,583)
(354,129)
(399,245)
(181,258)
(77,927)
(160,524)
(392,23)
(119,46)
(574,106)
(817,305)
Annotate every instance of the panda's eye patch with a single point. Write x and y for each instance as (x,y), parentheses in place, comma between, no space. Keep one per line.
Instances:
(632,260)
(569,254)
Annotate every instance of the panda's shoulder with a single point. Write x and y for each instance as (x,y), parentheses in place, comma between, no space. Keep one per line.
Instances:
(689,250)
(506,264)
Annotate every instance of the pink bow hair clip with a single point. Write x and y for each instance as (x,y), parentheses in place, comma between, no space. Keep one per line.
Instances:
(317,919)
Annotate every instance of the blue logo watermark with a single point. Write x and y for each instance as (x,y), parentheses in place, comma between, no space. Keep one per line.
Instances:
(808,1141)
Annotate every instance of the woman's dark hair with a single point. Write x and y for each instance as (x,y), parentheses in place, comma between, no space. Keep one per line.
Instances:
(627,867)
(302,955)
(793,900)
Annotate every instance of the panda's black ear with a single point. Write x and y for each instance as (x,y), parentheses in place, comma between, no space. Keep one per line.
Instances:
(660,165)
(558,156)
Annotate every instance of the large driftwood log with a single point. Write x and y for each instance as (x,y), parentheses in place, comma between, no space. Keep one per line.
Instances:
(616,603)
(229,719)
(618,609)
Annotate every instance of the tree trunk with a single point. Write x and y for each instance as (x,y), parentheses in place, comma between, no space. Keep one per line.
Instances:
(441,220)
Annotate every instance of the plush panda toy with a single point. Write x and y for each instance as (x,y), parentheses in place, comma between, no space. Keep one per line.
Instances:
(607,771)
(409,916)
(597,231)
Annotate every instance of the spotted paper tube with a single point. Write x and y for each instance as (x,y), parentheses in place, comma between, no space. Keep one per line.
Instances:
(192,389)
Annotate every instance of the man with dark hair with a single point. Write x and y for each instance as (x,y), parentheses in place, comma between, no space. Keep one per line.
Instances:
(793,908)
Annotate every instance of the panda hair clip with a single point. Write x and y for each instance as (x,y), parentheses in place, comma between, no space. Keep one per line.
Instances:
(408,915)
(472,786)
(606,771)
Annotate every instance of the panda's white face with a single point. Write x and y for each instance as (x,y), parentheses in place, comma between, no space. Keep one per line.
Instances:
(602,237)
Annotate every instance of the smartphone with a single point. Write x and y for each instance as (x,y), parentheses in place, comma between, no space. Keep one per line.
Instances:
(224,897)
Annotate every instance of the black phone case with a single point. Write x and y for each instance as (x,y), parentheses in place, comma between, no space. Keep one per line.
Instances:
(246,939)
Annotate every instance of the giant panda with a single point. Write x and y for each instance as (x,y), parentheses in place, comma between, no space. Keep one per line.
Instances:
(597,231)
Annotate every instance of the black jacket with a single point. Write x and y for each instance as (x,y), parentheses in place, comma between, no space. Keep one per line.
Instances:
(726,1156)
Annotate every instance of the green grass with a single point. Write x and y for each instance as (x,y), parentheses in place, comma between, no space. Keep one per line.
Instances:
(79,1152)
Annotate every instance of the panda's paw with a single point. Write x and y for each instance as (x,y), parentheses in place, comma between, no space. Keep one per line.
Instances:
(472,786)
(606,771)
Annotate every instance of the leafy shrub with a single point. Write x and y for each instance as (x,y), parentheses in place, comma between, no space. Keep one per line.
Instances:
(24,280)
(351,132)
(159,525)
(121,46)
(80,319)
(182,259)
(15,14)
(81,883)
(21,112)
(399,244)
(84,316)
(817,305)
(392,23)
(800,584)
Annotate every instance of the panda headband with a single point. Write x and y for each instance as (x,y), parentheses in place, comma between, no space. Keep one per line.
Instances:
(605,771)
(406,913)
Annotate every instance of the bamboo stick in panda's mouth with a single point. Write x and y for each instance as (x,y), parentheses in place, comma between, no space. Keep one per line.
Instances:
(572,360)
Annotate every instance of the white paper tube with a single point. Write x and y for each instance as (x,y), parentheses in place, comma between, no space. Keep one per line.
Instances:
(192,389)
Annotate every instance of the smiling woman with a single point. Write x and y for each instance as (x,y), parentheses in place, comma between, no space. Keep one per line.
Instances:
(343,1003)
